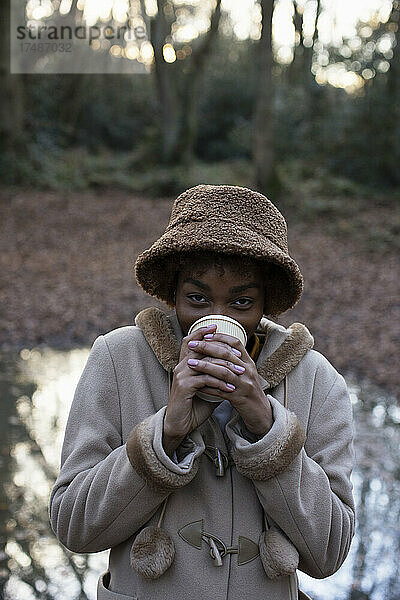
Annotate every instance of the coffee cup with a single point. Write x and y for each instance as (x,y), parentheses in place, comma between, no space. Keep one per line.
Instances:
(225,325)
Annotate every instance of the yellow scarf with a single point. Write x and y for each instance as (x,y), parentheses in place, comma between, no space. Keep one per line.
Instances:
(255,349)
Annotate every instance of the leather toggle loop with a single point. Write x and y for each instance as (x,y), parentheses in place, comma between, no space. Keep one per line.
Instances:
(217,554)
(214,552)
(194,534)
(219,458)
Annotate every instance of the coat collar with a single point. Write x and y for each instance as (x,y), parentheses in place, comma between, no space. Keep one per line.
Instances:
(282,350)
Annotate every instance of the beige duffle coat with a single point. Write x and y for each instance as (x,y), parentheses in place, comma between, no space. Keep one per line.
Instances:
(115,474)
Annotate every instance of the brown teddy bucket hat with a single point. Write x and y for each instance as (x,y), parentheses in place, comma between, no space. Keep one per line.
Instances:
(225,219)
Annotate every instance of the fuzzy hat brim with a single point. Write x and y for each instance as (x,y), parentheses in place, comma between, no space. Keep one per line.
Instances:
(155,268)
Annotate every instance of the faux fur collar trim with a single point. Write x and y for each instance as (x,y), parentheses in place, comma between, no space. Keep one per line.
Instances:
(296,341)
(282,350)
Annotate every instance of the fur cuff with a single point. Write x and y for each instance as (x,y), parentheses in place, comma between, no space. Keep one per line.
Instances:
(145,461)
(274,452)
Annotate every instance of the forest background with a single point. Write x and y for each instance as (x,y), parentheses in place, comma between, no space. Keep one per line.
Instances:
(299,99)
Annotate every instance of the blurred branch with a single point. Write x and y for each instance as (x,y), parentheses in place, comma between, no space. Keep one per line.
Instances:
(197,63)
(297,64)
(178,112)
(298,22)
(74,7)
(263,136)
(165,82)
(309,52)
(142,8)
(303,55)
(394,71)
(203,50)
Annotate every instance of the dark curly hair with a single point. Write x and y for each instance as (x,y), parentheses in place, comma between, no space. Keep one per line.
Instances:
(197,262)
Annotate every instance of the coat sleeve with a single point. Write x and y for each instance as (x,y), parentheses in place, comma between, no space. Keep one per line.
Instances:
(303,481)
(100,499)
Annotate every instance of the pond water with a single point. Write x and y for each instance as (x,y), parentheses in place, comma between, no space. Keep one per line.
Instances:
(37,388)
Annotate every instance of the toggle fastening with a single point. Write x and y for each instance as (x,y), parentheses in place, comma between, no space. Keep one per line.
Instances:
(219,458)
(214,552)
(194,534)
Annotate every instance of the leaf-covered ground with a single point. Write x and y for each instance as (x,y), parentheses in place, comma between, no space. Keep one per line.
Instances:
(67,275)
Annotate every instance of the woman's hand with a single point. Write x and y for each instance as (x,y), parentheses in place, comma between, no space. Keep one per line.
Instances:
(185,411)
(218,357)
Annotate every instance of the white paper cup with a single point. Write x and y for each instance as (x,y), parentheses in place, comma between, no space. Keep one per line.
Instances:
(224,325)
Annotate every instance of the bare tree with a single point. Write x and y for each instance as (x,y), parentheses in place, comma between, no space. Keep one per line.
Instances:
(263,123)
(303,53)
(11,97)
(178,86)
(393,89)
(299,73)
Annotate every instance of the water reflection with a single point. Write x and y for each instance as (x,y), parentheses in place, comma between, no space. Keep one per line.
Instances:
(371,571)
(37,388)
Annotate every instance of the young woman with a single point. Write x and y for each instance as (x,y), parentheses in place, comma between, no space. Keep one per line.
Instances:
(200,499)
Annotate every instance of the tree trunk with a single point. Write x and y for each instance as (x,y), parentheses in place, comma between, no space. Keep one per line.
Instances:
(11,97)
(393,99)
(75,85)
(193,79)
(309,52)
(313,92)
(263,125)
(165,74)
(299,71)
(178,112)
(296,68)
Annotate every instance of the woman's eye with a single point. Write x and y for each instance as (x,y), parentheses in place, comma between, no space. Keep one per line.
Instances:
(243,301)
(196,297)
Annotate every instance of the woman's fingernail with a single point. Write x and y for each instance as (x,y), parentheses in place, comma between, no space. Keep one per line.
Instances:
(239,369)
(193,362)
(193,344)
(230,386)
(208,336)
(237,352)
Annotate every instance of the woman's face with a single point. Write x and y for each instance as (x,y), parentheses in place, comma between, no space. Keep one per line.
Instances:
(240,297)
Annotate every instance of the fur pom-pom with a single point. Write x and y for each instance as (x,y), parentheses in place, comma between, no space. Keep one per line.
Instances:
(152,552)
(278,555)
